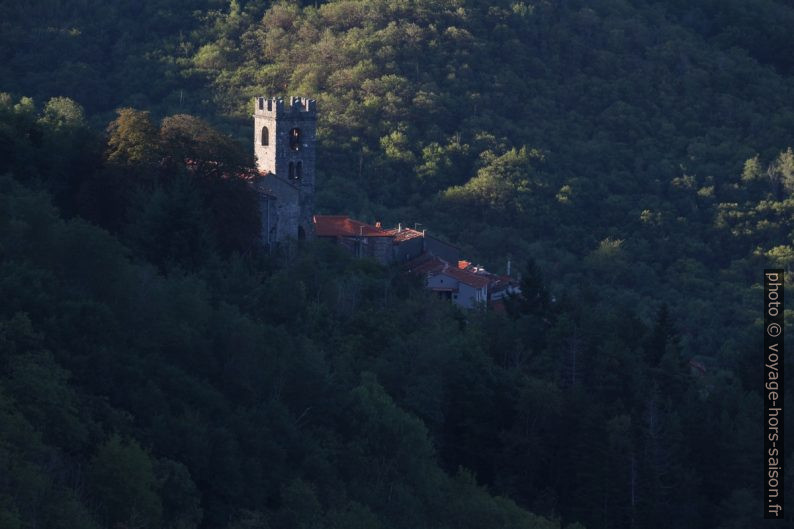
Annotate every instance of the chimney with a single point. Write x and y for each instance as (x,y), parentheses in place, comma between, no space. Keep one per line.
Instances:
(399,227)
(377,224)
(508,267)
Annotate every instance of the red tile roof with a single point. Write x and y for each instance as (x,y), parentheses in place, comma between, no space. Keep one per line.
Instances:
(406,234)
(466,277)
(344,226)
(435,266)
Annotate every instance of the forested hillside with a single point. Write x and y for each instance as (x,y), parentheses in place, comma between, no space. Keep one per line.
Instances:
(157,369)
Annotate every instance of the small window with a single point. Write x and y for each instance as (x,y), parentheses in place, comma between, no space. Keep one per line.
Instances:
(295,139)
(291,171)
(265,136)
(261,103)
(299,170)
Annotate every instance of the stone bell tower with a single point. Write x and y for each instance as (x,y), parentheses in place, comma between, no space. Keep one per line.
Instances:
(285,138)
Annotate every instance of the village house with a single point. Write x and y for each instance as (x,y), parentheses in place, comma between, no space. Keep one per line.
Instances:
(438,262)
(466,285)
(387,246)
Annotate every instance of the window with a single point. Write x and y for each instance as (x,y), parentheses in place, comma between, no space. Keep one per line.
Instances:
(261,103)
(265,136)
(299,170)
(301,233)
(295,139)
(291,171)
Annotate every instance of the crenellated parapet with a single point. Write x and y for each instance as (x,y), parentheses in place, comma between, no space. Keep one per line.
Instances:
(277,107)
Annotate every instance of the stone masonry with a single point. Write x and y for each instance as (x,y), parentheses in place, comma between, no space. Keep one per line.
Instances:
(285,138)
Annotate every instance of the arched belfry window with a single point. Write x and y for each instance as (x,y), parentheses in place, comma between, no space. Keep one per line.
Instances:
(265,136)
(291,171)
(295,139)
(299,170)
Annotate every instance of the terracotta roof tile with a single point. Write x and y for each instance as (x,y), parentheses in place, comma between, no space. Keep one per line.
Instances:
(466,277)
(344,226)
(435,265)
(406,234)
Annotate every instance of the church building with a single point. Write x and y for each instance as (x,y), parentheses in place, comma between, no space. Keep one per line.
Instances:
(285,145)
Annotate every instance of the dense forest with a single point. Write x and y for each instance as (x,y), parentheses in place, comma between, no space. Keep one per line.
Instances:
(159,370)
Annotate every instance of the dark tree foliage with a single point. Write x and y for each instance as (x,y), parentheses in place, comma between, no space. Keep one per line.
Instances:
(157,370)
(534,299)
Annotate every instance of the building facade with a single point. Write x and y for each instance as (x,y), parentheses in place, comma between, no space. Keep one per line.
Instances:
(285,146)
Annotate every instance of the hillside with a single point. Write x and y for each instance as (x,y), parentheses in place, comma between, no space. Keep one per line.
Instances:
(635,155)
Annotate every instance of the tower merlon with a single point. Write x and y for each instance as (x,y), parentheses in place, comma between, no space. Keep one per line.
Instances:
(306,107)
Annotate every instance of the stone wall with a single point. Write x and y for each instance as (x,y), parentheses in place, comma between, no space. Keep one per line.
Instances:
(283,214)
(290,155)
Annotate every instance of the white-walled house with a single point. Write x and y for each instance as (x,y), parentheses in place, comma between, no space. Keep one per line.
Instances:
(465,285)
(461,287)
